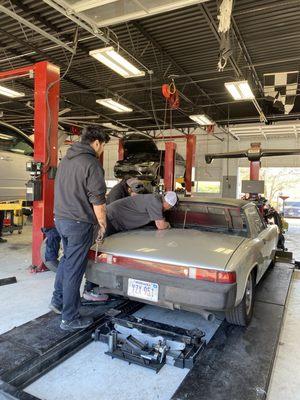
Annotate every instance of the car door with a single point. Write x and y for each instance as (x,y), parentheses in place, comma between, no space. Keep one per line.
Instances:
(262,235)
(15,150)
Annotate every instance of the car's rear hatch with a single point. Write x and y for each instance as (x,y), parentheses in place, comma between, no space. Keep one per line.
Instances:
(183,247)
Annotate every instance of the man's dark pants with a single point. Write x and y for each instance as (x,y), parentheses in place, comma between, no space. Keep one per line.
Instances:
(77,238)
(1,221)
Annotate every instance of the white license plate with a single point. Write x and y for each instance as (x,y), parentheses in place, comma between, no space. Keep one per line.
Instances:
(142,290)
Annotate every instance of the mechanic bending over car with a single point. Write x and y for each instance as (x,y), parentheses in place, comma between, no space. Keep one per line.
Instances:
(126,188)
(131,213)
(79,203)
(137,211)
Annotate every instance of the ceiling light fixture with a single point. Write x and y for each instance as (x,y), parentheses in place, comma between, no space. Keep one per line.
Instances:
(113,60)
(10,93)
(114,105)
(240,90)
(114,127)
(202,119)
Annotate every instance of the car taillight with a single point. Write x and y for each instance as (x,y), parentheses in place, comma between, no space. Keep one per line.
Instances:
(212,275)
(203,274)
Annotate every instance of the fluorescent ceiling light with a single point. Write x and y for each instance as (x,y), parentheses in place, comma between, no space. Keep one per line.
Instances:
(114,127)
(202,119)
(240,90)
(10,93)
(114,105)
(113,60)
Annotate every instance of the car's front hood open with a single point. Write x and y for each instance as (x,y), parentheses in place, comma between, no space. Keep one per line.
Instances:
(186,247)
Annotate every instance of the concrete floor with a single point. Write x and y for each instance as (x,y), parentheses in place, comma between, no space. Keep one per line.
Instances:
(91,374)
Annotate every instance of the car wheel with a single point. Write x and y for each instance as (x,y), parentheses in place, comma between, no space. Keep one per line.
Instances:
(242,314)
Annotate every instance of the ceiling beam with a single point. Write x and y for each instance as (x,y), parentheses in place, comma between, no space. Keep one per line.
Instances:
(246,55)
(35,28)
(83,48)
(165,54)
(210,20)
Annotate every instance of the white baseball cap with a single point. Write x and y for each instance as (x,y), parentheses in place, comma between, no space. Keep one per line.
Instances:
(171,198)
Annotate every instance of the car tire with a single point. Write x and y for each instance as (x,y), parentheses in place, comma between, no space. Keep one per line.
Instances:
(241,315)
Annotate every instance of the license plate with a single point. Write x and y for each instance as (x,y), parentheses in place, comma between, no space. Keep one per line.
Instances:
(143,290)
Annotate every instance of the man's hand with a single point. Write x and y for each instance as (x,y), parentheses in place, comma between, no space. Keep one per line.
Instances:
(162,224)
(101,234)
(100,211)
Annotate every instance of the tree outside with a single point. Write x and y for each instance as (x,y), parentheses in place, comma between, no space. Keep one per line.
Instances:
(278,181)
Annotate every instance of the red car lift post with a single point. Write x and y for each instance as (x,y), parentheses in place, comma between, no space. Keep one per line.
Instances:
(45,121)
(169,167)
(254,170)
(255,165)
(190,162)
(121,150)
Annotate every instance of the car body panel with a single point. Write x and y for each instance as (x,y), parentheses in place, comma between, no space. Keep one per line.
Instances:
(13,174)
(196,248)
(186,247)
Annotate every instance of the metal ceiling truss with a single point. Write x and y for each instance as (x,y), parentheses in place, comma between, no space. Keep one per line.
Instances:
(87,24)
(210,20)
(74,82)
(164,53)
(35,28)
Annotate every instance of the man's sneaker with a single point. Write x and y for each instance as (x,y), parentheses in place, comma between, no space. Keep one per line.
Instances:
(91,296)
(78,323)
(2,240)
(55,308)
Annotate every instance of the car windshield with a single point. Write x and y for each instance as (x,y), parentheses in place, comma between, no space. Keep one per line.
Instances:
(209,217)
(12,140)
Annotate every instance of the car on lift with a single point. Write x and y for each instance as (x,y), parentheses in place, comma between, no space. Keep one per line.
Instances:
(210,261)
(16,148)
(143,159)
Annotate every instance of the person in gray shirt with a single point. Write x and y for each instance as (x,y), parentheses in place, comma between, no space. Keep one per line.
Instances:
(137,211)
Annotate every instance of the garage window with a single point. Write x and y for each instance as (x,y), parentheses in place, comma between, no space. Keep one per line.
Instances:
(207,187)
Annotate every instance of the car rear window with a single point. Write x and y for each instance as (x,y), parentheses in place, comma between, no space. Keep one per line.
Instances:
(229,220)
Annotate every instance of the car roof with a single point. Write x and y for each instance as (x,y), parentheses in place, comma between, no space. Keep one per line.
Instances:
(21,133)
(214,200)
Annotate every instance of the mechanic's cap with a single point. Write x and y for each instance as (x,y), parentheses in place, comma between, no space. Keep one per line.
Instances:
(135,185)
(171,198)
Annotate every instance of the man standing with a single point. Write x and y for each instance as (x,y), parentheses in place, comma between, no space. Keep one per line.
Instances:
(136,211)
(125,188)
(79,203)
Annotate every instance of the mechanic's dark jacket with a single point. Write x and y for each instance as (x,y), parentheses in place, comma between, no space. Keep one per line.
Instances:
(119,191)
(79,184)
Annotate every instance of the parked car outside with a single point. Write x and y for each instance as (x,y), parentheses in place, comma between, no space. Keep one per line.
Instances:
(292,209)
(211,259)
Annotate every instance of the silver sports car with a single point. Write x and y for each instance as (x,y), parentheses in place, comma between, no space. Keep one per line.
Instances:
(211,259)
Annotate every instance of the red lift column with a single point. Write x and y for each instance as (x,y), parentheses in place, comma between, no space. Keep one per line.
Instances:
(190,162)
(45,151)
(254,170)
(169,168)
(121,150)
